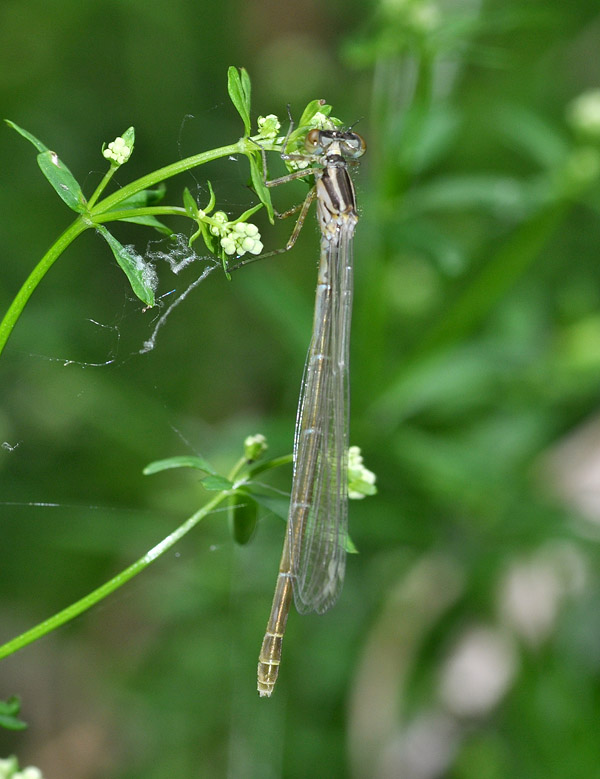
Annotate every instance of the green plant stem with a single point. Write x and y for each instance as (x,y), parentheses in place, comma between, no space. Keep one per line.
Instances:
(102,185)
(98,215)
(131,213)
(113,584)
(276,462)
(37,274)
(243,146)
(72,611)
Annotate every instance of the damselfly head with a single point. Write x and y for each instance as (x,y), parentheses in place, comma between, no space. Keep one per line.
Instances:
(318,142)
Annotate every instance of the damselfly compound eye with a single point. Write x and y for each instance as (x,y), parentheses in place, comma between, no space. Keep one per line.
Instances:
(313,141)
(355,144)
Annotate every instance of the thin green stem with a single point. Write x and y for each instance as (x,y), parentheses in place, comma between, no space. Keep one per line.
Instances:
(113,584)
(237,468)
(276,462)
(99,214)
(120,579)
(37,274)
(243,146)
(102,185)
(130,213)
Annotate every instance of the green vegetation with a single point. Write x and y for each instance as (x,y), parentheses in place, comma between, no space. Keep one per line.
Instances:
(467,633)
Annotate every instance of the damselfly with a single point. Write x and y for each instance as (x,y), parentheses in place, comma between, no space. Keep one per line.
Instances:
(314,552)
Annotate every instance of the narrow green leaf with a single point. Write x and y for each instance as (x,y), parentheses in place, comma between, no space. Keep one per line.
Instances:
(258,184)
(315,106)
(146,197)
(537,138)
(9,710)
(267,465)
(273,503)
(143,199)
(190,204)
(12,723)
(31,138)
(208,239)
(243,515)
(246,87)
(183,461)
(129,137)
(148,221)
(504,194)
(212,198)
(216,483)
(239,92)
(278,506)
(63,181)
(350,548)
(11,705)
(247,214)
(134,268)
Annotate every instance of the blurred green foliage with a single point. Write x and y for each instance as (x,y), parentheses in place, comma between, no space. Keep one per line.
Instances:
(466,640)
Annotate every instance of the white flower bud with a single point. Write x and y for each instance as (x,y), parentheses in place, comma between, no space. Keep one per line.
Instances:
(361,481)
(229,246)
(117,151)
(254,446)
(268,126)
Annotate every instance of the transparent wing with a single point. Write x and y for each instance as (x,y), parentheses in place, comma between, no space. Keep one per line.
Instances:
(318,519)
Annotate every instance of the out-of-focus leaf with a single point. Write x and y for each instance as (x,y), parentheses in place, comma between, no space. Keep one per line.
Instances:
(456,378)
(183,461)
(9,709)
(279,296)
(505,195)
(350,547)
(216,483)
(243,514)
(437,135)
(535,137)
(428,236)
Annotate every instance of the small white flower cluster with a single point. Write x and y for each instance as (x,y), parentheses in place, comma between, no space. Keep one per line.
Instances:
(298,164)
(117,151)
(321,122)
(255,446)
(237,238)
(9,769)
(268,126)
(361,481)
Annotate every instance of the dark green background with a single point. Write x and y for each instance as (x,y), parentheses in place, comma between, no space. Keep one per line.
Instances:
(476,351)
